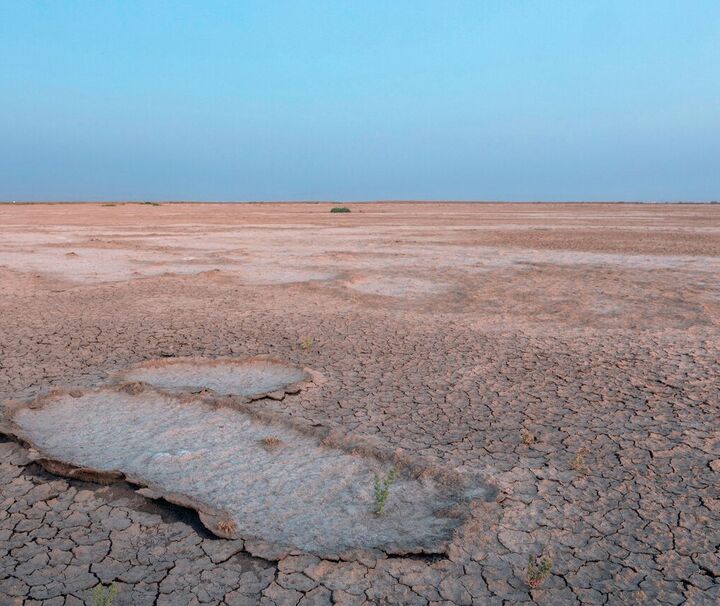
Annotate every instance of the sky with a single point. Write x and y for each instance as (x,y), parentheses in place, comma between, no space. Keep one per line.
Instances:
(359,100)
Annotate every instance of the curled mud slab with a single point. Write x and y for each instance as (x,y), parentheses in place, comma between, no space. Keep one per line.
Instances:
(247,477)
(250,377)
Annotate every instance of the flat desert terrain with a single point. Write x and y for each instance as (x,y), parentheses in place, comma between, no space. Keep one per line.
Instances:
(405,404)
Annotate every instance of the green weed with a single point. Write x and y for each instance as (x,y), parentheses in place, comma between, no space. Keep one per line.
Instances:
(538,570)
(103,596)
(382,490)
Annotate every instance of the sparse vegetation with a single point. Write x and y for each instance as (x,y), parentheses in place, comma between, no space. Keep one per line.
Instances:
(339,209)
(103,596)
(527,437)
(307,343)
(538,570)
(151,203)
(271,442)
(109,204)
(227,527)
(578,463)
(382,490)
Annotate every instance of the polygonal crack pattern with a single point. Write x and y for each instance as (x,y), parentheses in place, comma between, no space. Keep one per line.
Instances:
(246,476)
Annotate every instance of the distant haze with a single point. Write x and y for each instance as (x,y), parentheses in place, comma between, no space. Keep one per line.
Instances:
(295,100)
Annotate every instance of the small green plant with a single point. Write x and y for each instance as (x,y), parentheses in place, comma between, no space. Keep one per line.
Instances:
(382,490)
(152,203)
(538,570)
(339,209)
(103,596)
(307,343)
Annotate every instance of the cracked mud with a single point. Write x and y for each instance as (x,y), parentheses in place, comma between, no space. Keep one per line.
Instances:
(296,494)
(567,354)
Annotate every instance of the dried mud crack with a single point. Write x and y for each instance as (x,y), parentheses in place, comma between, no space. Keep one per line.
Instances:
(311,490)
(568,353)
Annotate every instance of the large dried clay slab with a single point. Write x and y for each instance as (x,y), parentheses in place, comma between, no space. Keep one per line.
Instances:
(247,476)
(249,377)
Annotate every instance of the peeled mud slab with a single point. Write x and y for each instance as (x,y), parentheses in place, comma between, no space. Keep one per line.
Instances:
(251,378)
(248,476)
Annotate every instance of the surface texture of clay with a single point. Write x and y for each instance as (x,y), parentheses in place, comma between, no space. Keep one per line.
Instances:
(270,481)
(571,357)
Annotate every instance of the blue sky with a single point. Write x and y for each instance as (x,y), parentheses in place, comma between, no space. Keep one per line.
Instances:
(346,100)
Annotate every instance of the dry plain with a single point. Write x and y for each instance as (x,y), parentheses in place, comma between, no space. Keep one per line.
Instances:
(545,378)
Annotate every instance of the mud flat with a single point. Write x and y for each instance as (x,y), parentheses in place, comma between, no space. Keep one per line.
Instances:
(196,399)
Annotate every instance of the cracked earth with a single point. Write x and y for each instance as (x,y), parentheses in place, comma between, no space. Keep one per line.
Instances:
(568,355)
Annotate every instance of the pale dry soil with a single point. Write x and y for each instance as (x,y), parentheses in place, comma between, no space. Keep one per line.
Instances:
(567,354)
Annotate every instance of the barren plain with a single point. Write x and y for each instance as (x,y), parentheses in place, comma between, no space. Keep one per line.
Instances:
(196,399)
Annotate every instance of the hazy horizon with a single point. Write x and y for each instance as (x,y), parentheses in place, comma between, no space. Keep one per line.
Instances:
(306,101)
(162,201)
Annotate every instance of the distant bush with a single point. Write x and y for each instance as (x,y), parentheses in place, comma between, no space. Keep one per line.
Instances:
(152,203)
(340,209)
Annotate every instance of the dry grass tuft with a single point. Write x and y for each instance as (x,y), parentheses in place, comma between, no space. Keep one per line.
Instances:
(227,527)
(578,463)
(271,442)
(133,388)
(527,437)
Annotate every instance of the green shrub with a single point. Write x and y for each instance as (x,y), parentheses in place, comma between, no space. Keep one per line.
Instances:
(340,209)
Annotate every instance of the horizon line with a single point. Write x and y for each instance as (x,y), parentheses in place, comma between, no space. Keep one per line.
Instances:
(370,201)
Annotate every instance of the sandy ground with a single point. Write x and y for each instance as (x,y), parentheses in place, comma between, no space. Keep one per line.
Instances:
(567,354)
